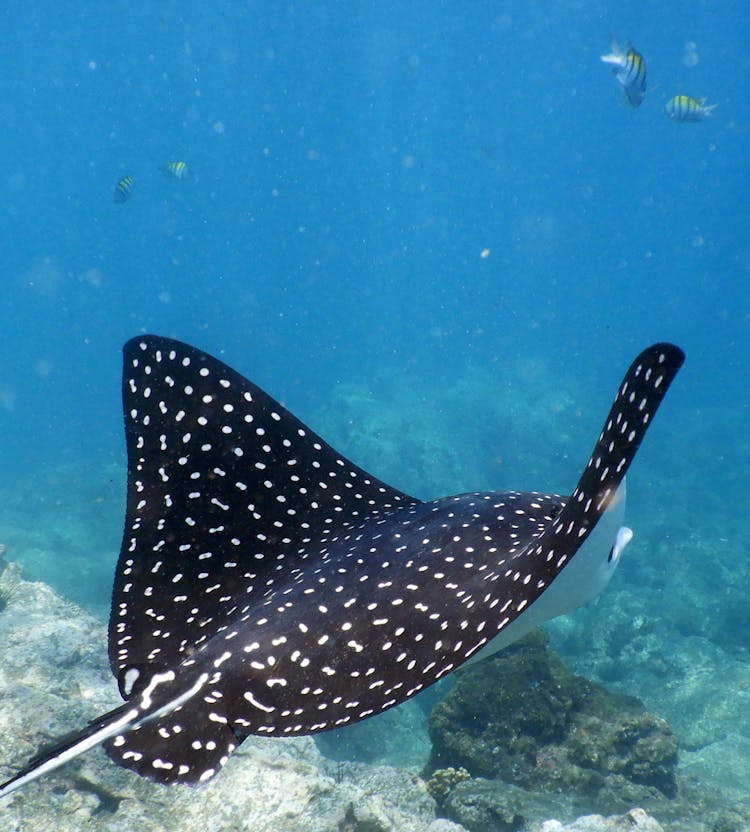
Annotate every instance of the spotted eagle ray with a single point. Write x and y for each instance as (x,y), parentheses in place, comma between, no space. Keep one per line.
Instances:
(267,585)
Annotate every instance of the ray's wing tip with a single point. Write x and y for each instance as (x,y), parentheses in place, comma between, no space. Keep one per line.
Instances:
(663,352)
(145,341)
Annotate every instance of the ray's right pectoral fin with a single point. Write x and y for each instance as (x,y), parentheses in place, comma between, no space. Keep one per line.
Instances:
(639,396)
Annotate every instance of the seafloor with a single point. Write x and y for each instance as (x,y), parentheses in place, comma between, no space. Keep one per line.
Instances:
(672,630)
(54,678)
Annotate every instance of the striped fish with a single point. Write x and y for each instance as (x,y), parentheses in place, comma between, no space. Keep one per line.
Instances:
(176,170)
(629,67)
(123,189)
(684,108)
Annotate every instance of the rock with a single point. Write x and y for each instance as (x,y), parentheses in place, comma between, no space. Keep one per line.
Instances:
(54,677)
(700,687)
(614,735)
(481,806)
(636,820)
(524,718)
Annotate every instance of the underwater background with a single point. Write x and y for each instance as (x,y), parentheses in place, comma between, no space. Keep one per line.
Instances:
(438,234)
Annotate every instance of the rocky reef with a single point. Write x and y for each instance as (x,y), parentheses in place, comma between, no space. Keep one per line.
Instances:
(522,717)
(54,677)
(602,747)
(540,742)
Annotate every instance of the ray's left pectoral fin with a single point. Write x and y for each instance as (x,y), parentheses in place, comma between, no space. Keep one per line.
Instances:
(638,398)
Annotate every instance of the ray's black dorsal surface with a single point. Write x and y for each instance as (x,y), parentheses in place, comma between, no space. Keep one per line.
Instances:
(268,585)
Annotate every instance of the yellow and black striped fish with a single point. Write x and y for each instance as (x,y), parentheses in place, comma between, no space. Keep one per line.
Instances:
(686,108)
(176,170)
(123,189)
(629,67)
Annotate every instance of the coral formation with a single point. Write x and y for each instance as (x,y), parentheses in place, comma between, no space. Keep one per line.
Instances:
(444,780)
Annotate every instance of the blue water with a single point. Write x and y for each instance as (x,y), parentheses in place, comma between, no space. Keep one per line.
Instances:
(352,162)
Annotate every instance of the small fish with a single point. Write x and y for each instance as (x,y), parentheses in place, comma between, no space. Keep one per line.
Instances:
(684,108)
(123,189)
(176,170)
(629,67)
(268,585)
